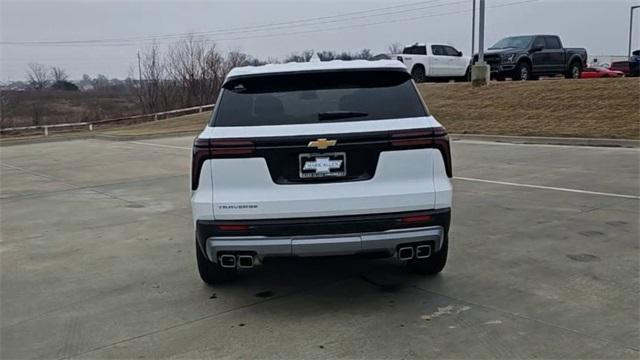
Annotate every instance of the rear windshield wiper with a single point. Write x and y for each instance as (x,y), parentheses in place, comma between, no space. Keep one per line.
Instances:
(334,115)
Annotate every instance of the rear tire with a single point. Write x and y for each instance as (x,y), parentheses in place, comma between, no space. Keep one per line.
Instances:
(433,264)
(210,272)
(575,71)
(418,74)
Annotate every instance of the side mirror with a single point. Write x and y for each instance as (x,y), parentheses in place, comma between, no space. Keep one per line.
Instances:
(459,53)
(537,48)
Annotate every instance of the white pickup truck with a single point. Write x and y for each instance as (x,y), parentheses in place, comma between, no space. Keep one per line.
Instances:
(434,62)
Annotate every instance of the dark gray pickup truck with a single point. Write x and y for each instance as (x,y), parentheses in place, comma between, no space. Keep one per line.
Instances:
(529,56)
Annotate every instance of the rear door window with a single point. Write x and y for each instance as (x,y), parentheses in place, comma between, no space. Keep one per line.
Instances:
(309,98)
(415,50)
(539,41)
(552,42)
(437,50)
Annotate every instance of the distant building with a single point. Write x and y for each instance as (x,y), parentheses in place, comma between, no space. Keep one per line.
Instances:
(86,87)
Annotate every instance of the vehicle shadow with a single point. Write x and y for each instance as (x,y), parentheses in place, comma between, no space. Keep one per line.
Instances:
(317,286)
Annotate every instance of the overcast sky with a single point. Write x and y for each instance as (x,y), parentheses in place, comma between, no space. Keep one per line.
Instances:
(601,26)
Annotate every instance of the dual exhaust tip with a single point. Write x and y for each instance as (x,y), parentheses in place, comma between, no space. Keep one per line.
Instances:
(233,261)
(410,252)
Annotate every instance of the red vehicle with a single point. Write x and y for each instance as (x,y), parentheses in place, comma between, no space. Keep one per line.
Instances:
(600,72)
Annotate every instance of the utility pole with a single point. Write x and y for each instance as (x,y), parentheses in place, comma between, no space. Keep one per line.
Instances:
(139,90)
(473,29)
(480,72)
(481,35)
(631,27)
(139,71)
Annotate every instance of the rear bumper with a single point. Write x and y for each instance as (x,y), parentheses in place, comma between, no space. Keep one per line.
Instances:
(326,236)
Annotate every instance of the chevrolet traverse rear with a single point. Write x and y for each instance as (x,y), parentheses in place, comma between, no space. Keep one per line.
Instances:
(320,159)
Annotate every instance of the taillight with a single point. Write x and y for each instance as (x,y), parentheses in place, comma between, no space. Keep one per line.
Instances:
(425,138)
(204,149)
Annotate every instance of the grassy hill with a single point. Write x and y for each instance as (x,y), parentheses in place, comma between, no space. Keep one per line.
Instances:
(599,108)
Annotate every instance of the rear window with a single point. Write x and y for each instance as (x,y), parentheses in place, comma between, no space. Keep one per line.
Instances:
(310,98)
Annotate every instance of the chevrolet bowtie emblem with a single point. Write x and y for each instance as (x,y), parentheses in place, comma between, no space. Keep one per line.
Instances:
(321,144)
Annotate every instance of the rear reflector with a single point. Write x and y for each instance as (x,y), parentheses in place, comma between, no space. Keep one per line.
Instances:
(416,219)
(234,227)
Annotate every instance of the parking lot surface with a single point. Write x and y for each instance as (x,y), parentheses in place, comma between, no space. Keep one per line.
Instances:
(97,260)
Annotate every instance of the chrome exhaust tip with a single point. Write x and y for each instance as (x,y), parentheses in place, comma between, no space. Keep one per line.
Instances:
(405,253)
(228,261)
(423,251)
(245,261)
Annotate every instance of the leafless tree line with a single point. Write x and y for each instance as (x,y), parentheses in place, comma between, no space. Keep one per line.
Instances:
(191,72)
(40,76)
(188,73)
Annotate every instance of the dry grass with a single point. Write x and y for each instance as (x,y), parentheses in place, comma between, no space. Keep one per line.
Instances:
(597,108)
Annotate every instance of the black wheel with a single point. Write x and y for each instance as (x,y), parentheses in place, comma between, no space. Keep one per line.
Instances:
(499,78)
(418,74)
(210,272)
(575,70)
(433,264)
(522,72)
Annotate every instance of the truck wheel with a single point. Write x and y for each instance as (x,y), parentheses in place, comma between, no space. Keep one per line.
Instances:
(522,72)
(433,264)
(418,74)
(575,70)
(210,272)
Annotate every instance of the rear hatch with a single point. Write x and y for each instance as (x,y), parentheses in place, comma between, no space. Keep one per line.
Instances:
(321,144)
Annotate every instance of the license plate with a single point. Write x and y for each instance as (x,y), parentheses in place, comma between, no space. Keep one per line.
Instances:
(322,165)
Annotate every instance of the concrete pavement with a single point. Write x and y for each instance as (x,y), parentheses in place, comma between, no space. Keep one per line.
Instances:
(97,260)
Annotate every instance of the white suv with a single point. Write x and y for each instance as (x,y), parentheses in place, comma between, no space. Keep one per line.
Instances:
(318,159)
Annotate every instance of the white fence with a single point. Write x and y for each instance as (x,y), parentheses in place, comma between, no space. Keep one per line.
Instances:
(92,124)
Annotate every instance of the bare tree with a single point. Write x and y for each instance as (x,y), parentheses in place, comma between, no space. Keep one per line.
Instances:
(189,73)
(235,58)
(152,74)
(58,74)
(364,54)
(395,48)
(305,56)
(38,76)
(186,66)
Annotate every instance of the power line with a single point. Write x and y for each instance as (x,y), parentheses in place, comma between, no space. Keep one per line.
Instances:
(288,33)
(271,26)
